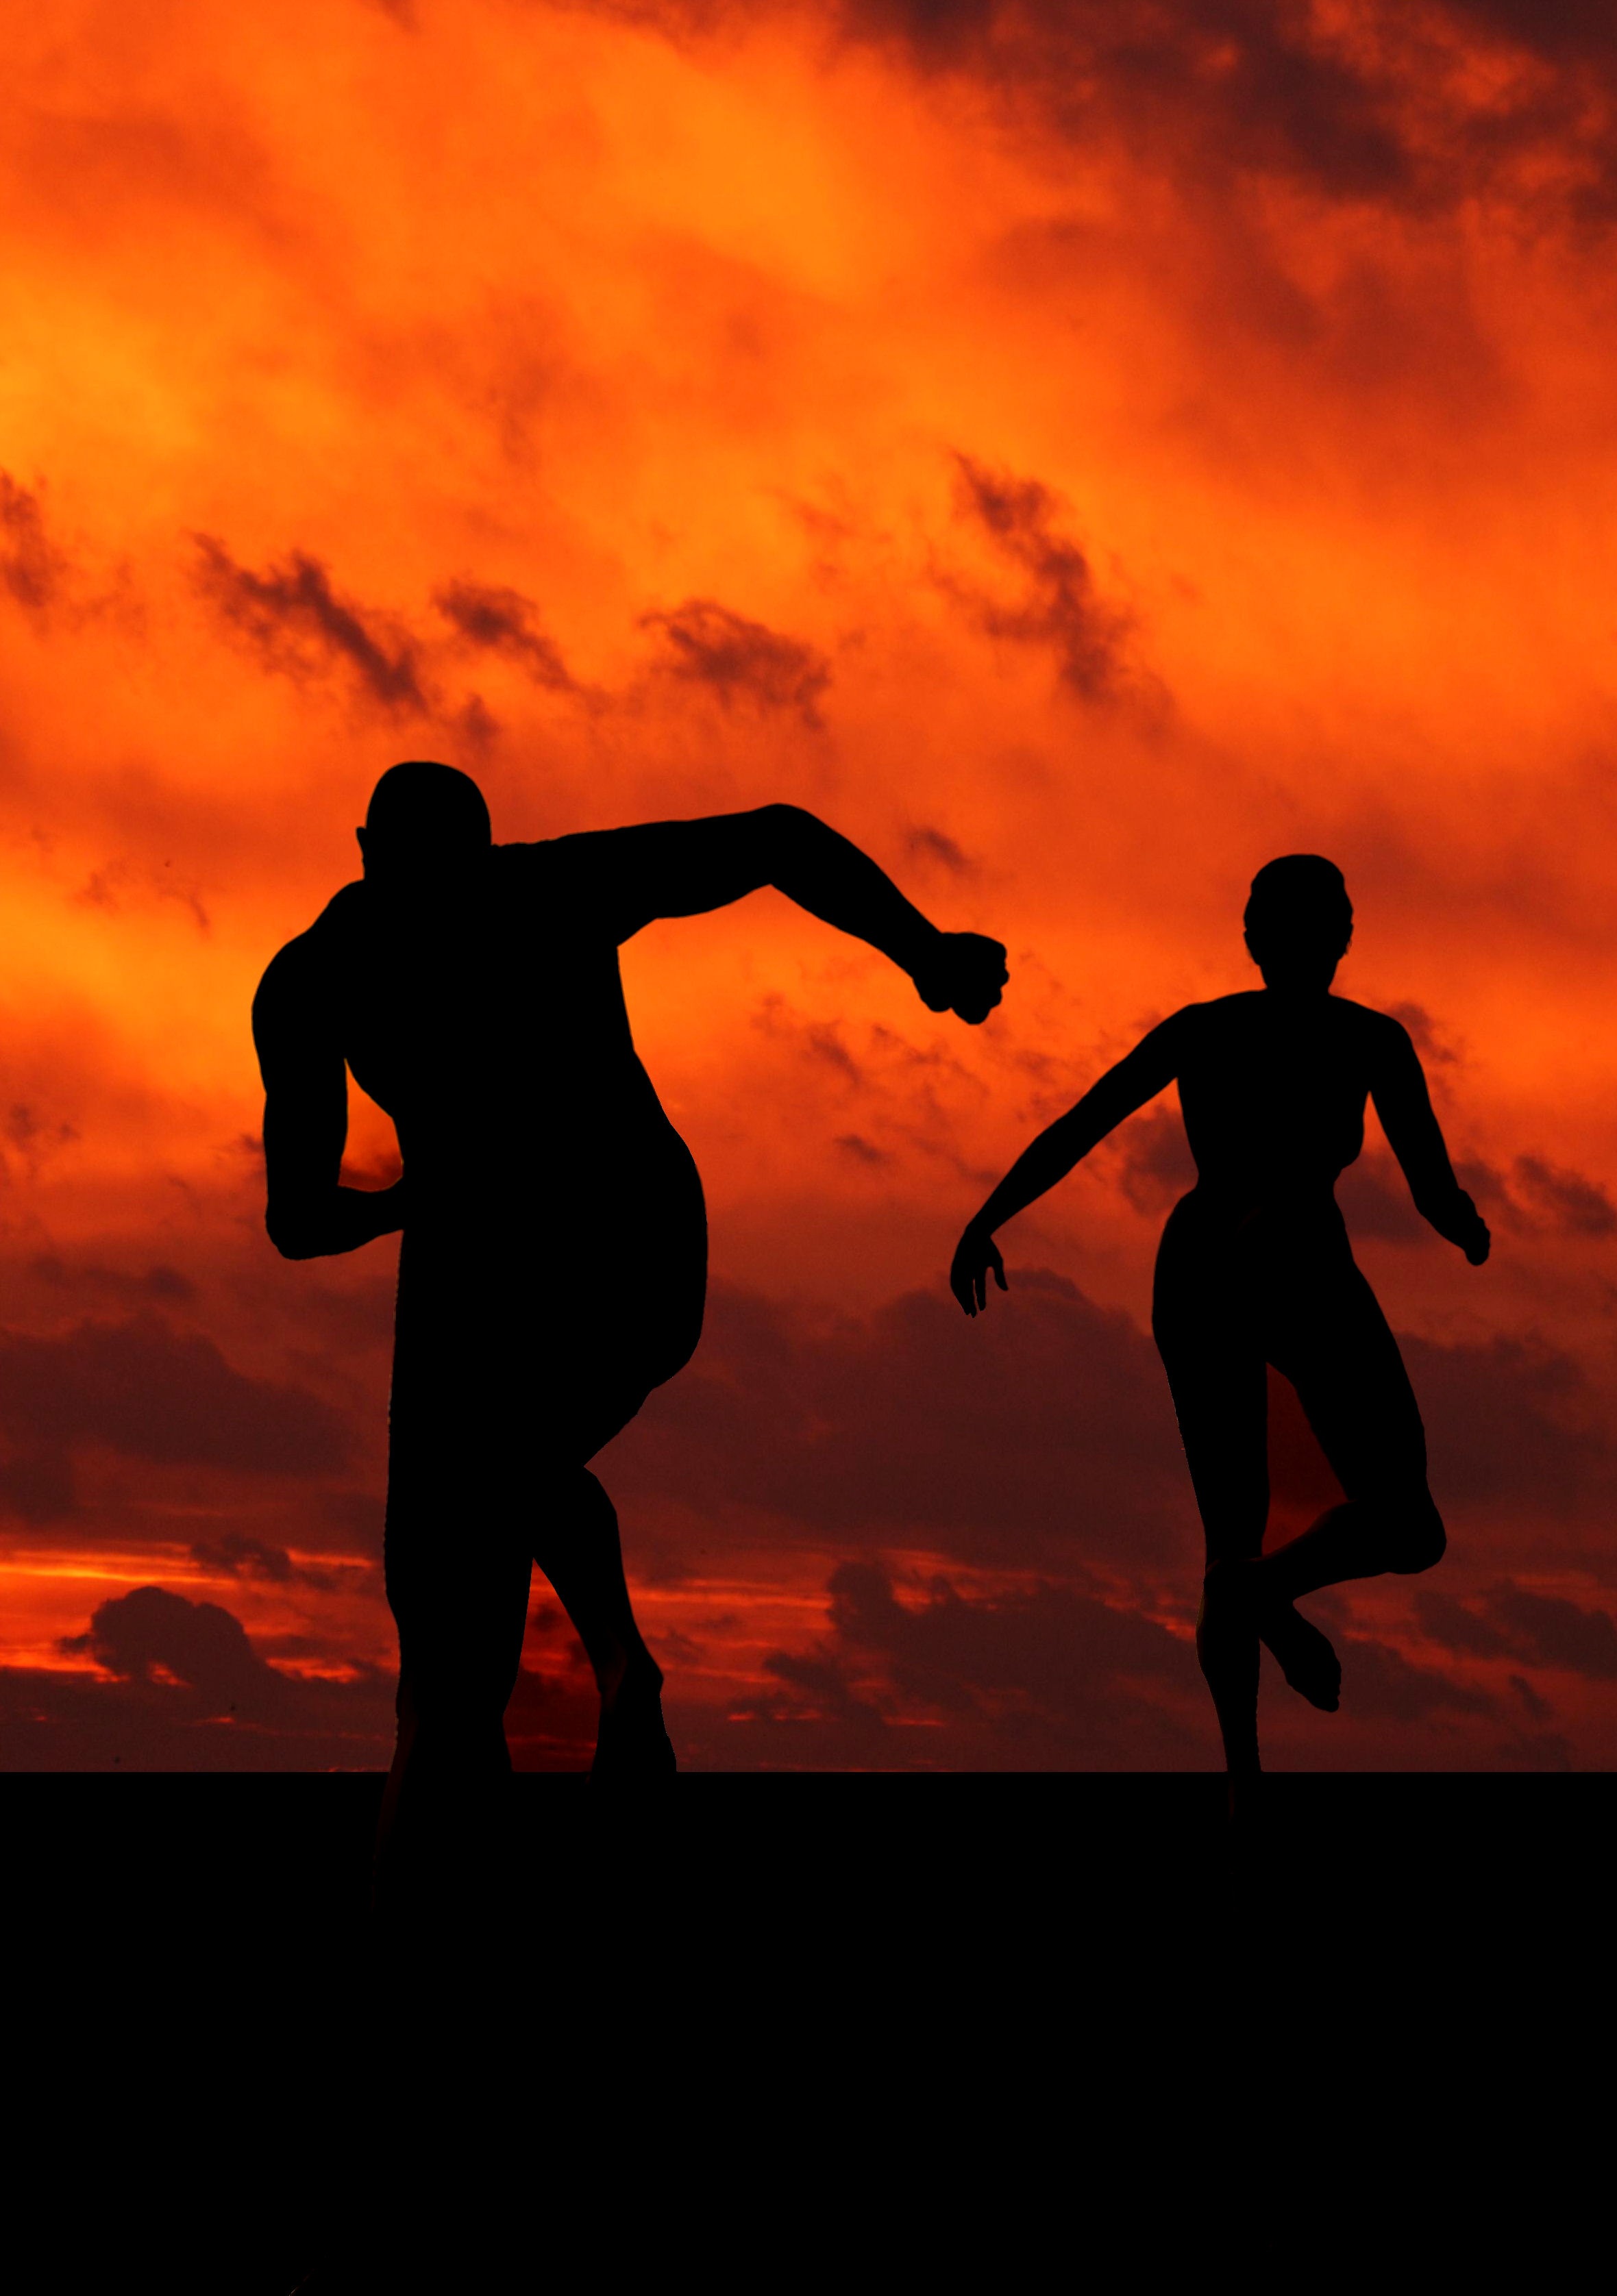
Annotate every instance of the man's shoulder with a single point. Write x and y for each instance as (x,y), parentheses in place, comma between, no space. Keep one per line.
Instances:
(555,863)
(590,881)
(301,965)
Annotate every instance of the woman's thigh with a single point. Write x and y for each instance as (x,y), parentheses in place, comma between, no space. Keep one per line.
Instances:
(1336,1347)
(1216,1375)
(1216,1372)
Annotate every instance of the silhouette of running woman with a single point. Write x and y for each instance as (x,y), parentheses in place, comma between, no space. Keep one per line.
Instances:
(1255,1267)
(555,1252)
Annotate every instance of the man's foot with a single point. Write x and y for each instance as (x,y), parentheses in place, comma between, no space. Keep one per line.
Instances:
(632,1742)
(1307,1658)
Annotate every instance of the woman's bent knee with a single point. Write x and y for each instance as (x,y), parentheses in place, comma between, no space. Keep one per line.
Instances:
(1418,1537)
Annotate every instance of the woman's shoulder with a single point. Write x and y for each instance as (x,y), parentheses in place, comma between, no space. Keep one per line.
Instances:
(1363,1021)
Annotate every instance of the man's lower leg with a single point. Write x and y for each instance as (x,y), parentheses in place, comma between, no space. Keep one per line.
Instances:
(580,1553)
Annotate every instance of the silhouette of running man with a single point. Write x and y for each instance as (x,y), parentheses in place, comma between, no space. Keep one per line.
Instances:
(554,1253)
(1255,1267)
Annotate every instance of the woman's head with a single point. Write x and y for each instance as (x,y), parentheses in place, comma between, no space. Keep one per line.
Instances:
(1298,921)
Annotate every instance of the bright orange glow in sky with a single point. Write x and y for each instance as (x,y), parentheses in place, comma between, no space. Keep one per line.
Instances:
(1081,458)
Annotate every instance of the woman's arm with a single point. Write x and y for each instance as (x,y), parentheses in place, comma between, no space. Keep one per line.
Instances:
(682,868)
(1139,1077)
(309,1214)
(1416,1137)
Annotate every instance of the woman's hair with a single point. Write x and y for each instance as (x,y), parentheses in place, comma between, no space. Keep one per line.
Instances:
(1300,901)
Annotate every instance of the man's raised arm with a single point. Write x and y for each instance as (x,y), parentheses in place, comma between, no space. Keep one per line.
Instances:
(681,868)
(305,1123)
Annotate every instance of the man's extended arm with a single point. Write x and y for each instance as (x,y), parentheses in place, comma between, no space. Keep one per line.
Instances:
(306,1122)
(1415,1138)
(1139,1077)
(681,868)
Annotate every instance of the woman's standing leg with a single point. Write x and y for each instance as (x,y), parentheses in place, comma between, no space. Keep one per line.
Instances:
(1220,1397)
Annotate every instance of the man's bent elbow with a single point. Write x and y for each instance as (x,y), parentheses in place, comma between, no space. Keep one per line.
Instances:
(784,828)
(294,1238)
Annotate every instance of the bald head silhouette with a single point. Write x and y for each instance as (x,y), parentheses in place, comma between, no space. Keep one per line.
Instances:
(1298,921)
(424,821)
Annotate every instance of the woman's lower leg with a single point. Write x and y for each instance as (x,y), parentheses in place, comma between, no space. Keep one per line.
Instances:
(1357,1539)
(1227,1647)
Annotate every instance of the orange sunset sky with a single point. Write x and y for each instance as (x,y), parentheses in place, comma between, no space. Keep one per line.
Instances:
(1081,452)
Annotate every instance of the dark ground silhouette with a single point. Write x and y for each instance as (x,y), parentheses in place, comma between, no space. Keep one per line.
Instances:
(553,1260)
(661,2050)
(1255,1267)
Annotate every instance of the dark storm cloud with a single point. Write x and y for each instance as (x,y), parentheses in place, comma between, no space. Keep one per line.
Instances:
(148,1392)
(1048,1676)
(1379,1683)
(233,1554)
(502,621)
(742,660)
(30,565)
(1061,608)
(161,1283)
(183,1688)
(1044,1639)
(1411,110)
(1539,1198)
(298,625)
(1219,90)
(32,1137)
(1509,1621)
(925,844)
(153,1636)
(1565,1200)
(1045,1430)
(1509,1424)
(1425,1035)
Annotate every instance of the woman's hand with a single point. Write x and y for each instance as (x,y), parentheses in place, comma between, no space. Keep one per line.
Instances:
(1462,1224)
(1475,1240)
(968,1277)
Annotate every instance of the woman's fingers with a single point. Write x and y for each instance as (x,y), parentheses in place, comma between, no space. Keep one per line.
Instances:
(968,1275)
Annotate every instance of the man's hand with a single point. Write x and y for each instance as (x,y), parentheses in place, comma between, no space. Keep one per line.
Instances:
(963,973)
(968,1278)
